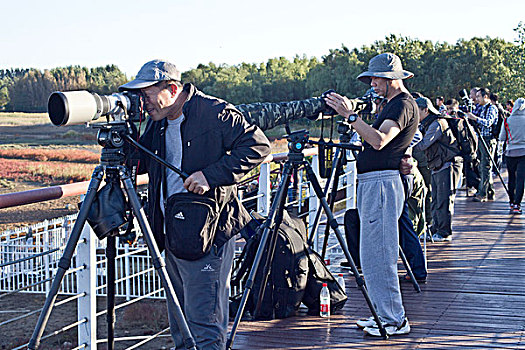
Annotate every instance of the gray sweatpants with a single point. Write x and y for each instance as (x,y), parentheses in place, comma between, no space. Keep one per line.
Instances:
(202,287)
(380,199)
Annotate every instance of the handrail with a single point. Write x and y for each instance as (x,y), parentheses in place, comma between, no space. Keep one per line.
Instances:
(14,199)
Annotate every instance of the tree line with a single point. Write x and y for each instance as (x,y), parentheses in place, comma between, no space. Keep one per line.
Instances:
(439,69)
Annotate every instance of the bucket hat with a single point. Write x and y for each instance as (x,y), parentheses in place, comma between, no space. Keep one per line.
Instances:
(424,102)
(151,73)
(385,65)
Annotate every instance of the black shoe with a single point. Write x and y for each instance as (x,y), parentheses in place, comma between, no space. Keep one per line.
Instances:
(406,278)
(479,199)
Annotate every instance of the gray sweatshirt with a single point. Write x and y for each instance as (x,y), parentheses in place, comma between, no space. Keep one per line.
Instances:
(514,135)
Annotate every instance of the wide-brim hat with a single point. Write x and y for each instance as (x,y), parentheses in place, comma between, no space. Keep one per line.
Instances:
(424,102)
(151,73)
(385,65)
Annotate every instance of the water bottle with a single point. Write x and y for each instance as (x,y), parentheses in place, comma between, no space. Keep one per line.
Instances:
(341,281)
(325,301)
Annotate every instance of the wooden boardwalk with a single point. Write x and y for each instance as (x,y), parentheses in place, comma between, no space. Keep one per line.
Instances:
(474,297)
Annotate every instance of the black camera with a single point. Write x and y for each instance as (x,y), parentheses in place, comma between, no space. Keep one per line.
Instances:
(329,111)
(468,104)
(80,107)
(359,105)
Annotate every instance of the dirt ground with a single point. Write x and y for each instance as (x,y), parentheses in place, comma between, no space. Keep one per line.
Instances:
(141,319)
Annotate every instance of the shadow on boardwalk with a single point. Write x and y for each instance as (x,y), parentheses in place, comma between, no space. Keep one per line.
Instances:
(474,297)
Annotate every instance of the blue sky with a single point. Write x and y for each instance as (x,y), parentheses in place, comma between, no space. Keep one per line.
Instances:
(48,34)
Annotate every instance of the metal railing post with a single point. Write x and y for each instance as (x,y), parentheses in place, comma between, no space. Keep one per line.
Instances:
(46,259)
(127,268)
(264,191)
(351,181)
(313,201)
(86,283)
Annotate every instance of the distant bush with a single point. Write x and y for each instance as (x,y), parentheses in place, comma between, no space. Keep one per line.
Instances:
(46,154)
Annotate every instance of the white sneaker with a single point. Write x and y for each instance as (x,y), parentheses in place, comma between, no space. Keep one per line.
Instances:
(367,322)
(436,237)
(390,330)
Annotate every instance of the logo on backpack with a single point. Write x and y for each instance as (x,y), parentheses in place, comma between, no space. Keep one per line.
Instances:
(180,216)
(207,268)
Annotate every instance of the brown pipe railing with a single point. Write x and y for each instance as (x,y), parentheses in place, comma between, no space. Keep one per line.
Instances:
(14,199)
(54,192)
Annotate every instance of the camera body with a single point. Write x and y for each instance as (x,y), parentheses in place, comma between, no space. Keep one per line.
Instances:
(80,107)
(468,104)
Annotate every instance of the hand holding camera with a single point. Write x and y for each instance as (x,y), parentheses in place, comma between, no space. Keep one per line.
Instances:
(341,104)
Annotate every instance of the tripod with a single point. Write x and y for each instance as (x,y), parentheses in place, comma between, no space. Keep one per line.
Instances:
(331,185)
(112,136)
(485,146)
(296,143)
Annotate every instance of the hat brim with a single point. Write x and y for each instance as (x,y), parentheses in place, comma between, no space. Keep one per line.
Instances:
(366,77)
(137,84)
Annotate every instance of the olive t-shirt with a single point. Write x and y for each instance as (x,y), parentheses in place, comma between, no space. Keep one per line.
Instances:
(402,109)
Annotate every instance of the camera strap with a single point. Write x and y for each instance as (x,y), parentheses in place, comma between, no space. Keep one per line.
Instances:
(326,152)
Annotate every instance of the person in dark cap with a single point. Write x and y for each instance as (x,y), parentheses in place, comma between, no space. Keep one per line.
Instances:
(444,160)
(211,141)
(380,194)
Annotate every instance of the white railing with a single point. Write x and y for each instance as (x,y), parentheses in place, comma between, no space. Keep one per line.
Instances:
(29,256)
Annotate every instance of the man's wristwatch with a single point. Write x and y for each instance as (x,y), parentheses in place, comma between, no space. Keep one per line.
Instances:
(352,118)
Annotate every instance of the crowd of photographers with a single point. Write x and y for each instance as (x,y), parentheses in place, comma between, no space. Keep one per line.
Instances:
(470,143)
(217,144)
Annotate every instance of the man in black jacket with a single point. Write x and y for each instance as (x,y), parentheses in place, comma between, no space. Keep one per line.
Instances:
(211,141)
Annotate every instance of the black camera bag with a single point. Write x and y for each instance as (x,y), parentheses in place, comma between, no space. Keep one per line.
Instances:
(191,221)
(289,271)
(317,275)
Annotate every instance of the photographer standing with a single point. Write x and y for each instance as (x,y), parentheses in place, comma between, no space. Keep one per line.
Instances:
(486,119)
(380,196)
(442,152)
(210,140)
(513,133)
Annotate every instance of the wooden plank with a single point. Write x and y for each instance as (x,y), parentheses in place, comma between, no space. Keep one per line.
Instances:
(474,298)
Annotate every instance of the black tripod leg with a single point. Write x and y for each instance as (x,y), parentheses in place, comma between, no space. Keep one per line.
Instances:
(409,270)
(267,226)
(319,211)
(480,138)
(494,164)
(65,261)
(337,167)
(111,253)
(287,174)
(158,261)
(335,226)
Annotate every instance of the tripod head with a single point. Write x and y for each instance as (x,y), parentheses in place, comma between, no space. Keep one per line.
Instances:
(112,136)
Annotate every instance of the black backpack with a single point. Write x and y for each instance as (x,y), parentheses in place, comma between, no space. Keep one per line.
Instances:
(317,275)
(496,127)
(289,271)
(465,135)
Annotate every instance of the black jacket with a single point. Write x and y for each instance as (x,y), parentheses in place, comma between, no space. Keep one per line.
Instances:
(216,140)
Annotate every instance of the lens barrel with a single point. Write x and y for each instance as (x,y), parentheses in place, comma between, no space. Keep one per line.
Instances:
(80,107)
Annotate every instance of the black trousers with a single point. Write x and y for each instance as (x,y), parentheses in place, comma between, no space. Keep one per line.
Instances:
(516,169)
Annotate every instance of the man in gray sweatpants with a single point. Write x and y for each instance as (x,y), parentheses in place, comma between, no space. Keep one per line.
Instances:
(380,194)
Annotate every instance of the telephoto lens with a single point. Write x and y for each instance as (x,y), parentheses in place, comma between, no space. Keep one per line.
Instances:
(80,107)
